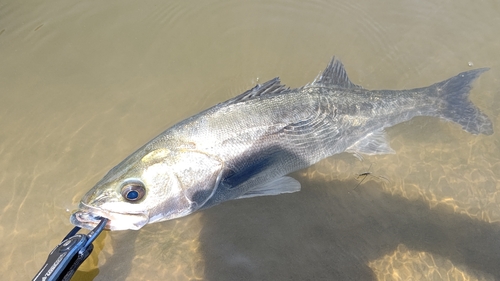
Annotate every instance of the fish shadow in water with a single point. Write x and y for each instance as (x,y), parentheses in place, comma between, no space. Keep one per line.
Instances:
(327,231)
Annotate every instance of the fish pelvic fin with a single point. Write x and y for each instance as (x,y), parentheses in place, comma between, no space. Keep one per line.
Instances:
(454,104)
(278,186)
(334,75)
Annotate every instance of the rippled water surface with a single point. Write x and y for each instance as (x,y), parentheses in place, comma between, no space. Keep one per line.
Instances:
(84,84)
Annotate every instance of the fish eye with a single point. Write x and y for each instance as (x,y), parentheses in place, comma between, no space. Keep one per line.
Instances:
(133,191)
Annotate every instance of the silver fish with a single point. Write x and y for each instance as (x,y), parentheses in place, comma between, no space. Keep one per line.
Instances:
(245,147)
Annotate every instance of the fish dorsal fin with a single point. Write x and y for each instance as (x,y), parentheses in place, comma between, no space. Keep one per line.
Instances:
(272,86)
(334,75)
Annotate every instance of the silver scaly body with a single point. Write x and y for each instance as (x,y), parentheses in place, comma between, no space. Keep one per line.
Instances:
(246,146)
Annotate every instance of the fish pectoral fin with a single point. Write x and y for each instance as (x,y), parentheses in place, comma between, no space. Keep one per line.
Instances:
(275,187)
(374,143)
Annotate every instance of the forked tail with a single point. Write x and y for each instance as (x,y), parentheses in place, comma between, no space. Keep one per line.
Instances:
(454,103)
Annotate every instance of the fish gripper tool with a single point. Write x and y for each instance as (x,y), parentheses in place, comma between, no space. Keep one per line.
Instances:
(66,257)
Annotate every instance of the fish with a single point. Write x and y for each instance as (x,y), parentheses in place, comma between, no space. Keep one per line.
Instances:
(246,146)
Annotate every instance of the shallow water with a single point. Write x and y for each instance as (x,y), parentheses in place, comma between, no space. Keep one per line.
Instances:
(83,84)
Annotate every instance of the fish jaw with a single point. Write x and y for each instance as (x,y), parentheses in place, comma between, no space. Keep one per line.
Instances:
(89,216)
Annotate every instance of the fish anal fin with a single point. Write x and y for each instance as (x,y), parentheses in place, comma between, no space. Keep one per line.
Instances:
(373,143)
(275,187)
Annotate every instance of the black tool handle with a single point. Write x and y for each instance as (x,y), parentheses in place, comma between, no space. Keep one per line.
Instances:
(65,259)
(60,259)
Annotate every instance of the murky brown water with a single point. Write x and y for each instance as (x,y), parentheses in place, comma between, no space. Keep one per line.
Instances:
(83,84)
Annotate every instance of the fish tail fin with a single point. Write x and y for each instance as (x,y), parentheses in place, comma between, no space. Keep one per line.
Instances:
(454,103)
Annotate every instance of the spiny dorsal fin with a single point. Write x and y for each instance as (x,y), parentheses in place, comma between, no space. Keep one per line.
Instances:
(272,86)
(334,75)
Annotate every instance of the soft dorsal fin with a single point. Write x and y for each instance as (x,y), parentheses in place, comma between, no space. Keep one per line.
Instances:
(334,75)
(272,86)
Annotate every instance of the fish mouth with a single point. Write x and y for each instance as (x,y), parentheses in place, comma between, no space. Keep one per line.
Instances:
(87,220)
(89,216)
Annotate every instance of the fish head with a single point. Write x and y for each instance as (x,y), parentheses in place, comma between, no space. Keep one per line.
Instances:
(150,187)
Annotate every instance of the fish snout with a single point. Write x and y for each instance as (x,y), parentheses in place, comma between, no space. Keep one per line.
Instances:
(88,217)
